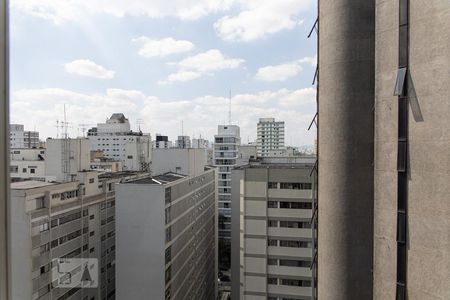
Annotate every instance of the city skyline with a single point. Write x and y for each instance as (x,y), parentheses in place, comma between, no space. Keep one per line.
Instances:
(163,67)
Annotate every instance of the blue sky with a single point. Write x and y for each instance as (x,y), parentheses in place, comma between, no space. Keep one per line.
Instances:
(163,62)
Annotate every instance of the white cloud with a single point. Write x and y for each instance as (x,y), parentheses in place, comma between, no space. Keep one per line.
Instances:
(203,63)
(88,68)
(60,11)
(259,18)
(42,107)
(279,72)
(283,71)
(162,47)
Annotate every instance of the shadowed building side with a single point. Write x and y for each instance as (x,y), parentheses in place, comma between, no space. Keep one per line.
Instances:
(346,99)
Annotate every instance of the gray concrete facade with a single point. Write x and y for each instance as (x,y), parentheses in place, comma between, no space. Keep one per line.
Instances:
(428,81)
(4,147)
(271,240)
(346,99)
(167,237)
(62,220)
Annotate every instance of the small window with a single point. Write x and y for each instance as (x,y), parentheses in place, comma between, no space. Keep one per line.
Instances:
(91,217)
(273,223)
(272,262)
(91,180)
(272,280)
(400,83)
(272,185)
(272,204)
(272,243)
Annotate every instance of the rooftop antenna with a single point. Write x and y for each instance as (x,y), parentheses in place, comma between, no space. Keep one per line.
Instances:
(229,109)
(57,129)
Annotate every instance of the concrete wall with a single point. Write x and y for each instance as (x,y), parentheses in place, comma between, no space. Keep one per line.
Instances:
(78,156)
(182,161)
(346,98)
(428,270)
(140,241)
(236,180)
(4,145)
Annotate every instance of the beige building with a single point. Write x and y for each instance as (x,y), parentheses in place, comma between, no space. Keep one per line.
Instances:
(167,237)
(62,220)
(272,236)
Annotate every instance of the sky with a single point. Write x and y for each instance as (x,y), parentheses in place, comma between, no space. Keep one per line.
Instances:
(163,63)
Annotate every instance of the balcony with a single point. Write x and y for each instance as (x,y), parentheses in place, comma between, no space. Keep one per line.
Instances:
(286,291)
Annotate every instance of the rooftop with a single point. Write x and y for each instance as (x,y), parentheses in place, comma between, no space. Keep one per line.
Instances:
(29,184)
(159,179)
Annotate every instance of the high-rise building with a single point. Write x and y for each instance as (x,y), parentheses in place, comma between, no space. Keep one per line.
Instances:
(28,163)
(226,147)
(384,135)
(183,141)
(270,136)
(162,141)
(200,143)
(272,234)
(19,138)
(117,141)
(54,221)
(167,237)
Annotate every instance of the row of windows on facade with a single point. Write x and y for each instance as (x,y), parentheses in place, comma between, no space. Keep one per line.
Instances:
(288,243)
(289,205)
(73,235)
(288,282)
(41,227)
(288,263)
(115,139)
(15,169)
(290,185)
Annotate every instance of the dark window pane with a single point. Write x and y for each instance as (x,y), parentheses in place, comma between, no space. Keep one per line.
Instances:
(400,83)
(402,118)
(401,263)
(403,12)
(401,295)
(402,191)
(403,46)
(401,227)
(401,158)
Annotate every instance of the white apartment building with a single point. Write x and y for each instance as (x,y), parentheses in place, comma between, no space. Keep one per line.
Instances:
(200,143)
(162,141)
(167,237)
(118,142)
(62,220)
(271,251)
(226,148)
(19,138)
(270,136)
(27,164)
(183,141)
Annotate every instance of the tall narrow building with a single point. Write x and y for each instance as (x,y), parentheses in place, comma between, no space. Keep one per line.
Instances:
(20,138)
(384,135)
(270,136)
(226,146)
(346,132)
(272,234)
(167,237)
